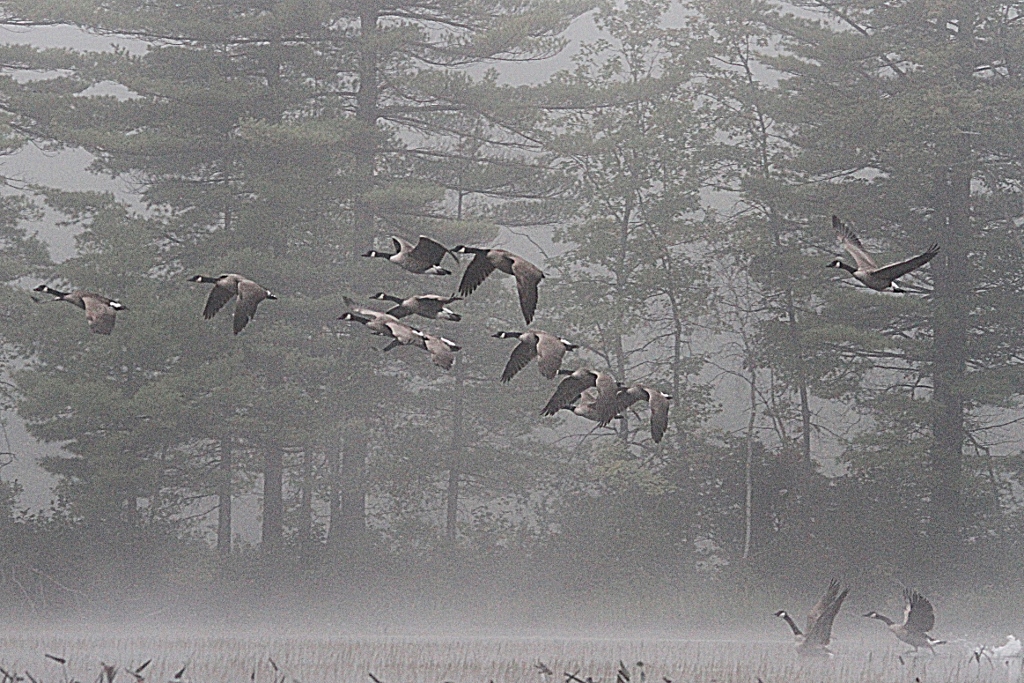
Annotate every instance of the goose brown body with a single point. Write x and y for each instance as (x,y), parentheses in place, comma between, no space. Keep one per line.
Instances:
(228,285)
(486,261)
(100,311)
(880,279)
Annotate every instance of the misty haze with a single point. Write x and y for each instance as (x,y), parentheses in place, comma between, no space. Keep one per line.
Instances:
(556,341)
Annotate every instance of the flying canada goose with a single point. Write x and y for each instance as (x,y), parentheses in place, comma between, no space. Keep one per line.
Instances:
(423,259)
(376,321)
(918,619)
(578,381)
(867,271)
(656,400)
(425,305)
(545,347)
(591,407)
(819,622)
(485,261)
(383,324)
(442,351)
(100,311)
(228,285)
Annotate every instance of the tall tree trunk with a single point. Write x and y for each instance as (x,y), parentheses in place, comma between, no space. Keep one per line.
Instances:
(353,494)
(455,464)
(273,501)
(368,113)
(748,470)
(952,290)
(351,519)
(334,504)
(224,500)
(306,509)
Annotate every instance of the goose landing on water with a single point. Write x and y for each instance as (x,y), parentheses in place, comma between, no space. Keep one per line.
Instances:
(918,619)
(814,642)
(867,271)
(100,311)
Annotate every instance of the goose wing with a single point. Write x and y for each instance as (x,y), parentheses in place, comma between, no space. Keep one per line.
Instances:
(250,295)
(99,313)
(528,276)
(624,398)
(596,406)
(441,351)
(821,632)
(399,311)
(476,272)
(428,251)
(569,389)
(550,351)
(404,334)
(221,293)
(522,354)
(918,616)
(400,245)
(852,244)
(896,270)
(607,404)
(659,413)
(823,604)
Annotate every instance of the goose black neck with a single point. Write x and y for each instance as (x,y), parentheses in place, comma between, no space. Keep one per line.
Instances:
(792,624)
(51,290)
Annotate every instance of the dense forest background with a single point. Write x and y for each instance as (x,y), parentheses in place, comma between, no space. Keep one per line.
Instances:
(674,179)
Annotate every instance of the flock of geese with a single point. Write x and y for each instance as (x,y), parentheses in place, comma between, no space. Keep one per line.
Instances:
(591,394)
(918,619)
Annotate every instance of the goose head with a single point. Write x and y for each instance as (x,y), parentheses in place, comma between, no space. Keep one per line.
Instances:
(838,263)
(271,296)
(782,614)
(373,253)
(506,335)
